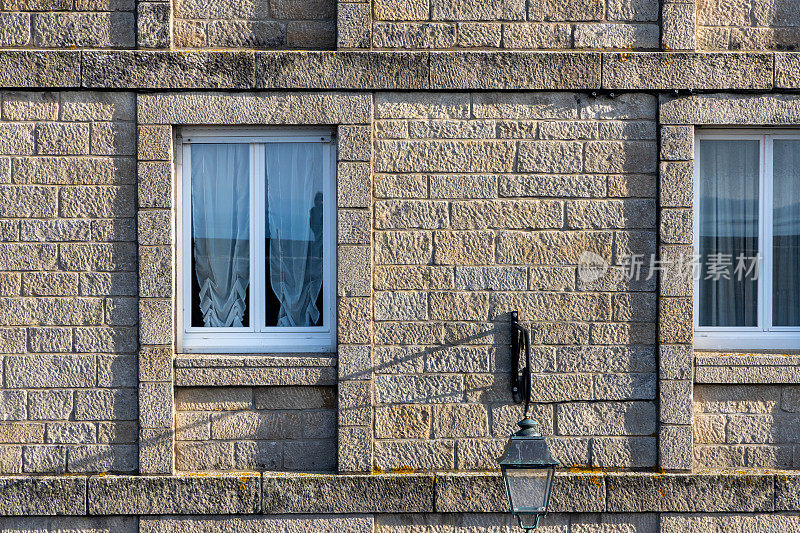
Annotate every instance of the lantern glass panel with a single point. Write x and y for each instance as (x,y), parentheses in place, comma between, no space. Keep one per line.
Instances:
(529,488)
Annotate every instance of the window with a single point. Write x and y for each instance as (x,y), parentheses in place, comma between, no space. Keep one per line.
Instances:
(257,243)
(747,240)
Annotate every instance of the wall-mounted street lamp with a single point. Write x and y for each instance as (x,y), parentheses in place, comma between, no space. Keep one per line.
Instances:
(527,466)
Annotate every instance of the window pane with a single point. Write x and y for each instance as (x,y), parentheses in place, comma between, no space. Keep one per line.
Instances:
(729,174)
(786,234)
(294,234)
(220,235)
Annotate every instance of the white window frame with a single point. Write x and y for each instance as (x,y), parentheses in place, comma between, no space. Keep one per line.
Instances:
(764,336)
(257,338)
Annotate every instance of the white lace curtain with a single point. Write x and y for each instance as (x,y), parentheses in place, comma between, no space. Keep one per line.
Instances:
(729,202)
(221,231)
(786,233)
(294,227)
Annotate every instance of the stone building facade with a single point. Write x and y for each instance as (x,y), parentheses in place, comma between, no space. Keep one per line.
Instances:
(483,149)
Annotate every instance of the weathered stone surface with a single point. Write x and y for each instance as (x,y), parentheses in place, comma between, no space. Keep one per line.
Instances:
(613,35)
(254,524)
(506,70)
(527,36)
(43,496)
(344,69)
(167,70)
(678,26)
(606,418)
(485,493)
(255,108)
(353,25)
(348,494)
(730,109)
(40,69)
(624,452)
(656,70)
(207,494)
(630,492)
(41,371)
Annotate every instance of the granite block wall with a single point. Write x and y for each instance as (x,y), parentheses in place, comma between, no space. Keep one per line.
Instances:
(68,285)
(747,426)
(516,24)
(748,24)
(485,204)
(68,24)
(259,428)
(306,24)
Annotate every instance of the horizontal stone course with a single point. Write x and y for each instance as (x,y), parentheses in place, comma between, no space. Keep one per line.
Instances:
(376,70)
(199,494)
(596,491)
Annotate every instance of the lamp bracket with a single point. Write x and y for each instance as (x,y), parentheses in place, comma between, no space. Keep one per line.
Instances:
(520,377)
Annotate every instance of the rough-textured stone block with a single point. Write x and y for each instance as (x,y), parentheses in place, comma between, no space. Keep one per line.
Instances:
(20,68)
(615,35)
(88,29)
(73,170)
(42,371)
(30,106)
(155,405)
(155,143)
(164,70)
(348,494)
(676,183)
(677,143)
(254,524)
(471,10)
(675,447)
(730,109)
(675,320)
(255,108)
(155,321)
(155,271)
(676,402)
(606,418)
(106,404)
(514,70)
(354,21)
(676,361)
(630,492)
(155,184)
(354,143)
(153,21)
(654,70)
(209,494)
(459,421)
(43,496)
(419,389)
(624,452)
(527,36)
(403,422)
(486,493)
(418,455)
(349,69)
(678,21)
(354,267)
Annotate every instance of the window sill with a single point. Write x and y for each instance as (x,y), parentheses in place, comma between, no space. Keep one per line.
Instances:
(254,370)
(762,367)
